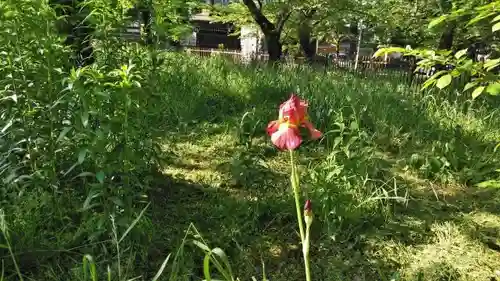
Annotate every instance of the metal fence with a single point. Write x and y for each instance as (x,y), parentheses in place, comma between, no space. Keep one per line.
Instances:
(367,67)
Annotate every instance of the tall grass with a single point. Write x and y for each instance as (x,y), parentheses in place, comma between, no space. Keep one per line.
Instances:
(80,146)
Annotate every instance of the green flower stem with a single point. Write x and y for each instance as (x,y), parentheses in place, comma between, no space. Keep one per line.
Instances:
(296,192)
(305,251)
(295,187)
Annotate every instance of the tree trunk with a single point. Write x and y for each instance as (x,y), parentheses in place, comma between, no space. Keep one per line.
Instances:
(274,47)
(353,44)
(271,31)
(307,44)
(446,40)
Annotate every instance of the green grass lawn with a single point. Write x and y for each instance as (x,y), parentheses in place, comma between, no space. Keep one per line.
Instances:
(394,181)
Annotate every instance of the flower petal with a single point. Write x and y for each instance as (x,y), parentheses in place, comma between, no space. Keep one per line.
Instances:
(286,138)
(272,127)
(293,110)
(315,134)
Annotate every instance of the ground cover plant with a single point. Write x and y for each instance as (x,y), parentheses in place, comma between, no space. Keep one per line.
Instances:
(151,164)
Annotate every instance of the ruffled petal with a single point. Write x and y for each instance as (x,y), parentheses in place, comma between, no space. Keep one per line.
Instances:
(272,127)
(286,138)
(315,134)
(293,110)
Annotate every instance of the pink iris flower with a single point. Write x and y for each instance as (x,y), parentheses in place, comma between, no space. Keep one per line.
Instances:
(284,132)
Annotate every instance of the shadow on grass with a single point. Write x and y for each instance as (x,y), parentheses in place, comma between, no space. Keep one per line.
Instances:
(370,243)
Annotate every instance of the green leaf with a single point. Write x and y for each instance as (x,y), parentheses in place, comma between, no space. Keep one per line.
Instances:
(460,53)
(81,156)
(470,85)
(437,21)
(497,18)
(88,200)
(493,89)
(490,64)
(431,80)
(162,267)
(354,126)
(480,17)
(3,246)
(7,126)
(133,223)
(100,177)
(63,133)
(201,245)
(89,267)
(443,81)
(489,184)
(383,51)
(117,201)
(428,83)
(495,27)
(85,119)
(220,253)
(84,174)
(477,92)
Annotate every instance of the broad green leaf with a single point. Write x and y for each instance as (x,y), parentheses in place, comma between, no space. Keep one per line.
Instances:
(460,53)
(477,92)
(443,81)
(495,19)
(437,21)
(63,133)
(493,89)
(100,176)
(3,246)
(81,156)
(495,27)
(470,85)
